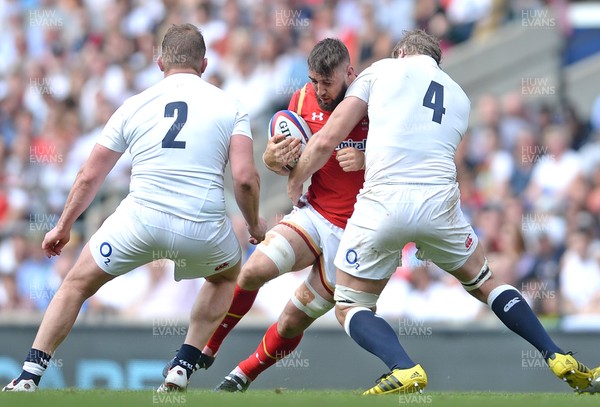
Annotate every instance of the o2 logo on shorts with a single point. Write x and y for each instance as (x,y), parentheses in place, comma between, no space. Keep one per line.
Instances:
(106,251)
(352,258)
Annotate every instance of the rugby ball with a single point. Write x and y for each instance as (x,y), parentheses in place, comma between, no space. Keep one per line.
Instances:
(290,124)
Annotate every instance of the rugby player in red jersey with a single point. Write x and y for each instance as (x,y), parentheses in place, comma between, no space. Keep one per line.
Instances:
(310,234)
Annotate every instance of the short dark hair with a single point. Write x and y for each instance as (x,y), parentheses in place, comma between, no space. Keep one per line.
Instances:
(183,46)
(418,42)
(328,55)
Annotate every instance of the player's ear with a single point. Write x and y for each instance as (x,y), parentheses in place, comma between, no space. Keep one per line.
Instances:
(350,72)
(159,62)
(204,65)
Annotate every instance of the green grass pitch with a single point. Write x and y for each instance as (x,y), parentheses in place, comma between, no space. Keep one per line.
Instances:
(285,398)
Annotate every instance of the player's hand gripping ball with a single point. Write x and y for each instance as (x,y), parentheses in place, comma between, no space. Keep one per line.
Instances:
(290,124)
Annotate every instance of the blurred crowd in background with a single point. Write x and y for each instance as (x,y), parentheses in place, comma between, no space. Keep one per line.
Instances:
(529,172)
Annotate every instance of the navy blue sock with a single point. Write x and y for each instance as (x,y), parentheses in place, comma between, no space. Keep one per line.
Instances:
(377,336)
(187,357)
(512,309)
(36,363)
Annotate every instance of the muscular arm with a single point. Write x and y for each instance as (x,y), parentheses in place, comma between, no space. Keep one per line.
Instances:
(246,184)
(320,146)
(89,179)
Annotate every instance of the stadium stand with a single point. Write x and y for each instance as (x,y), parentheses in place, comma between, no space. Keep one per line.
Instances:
(529,169)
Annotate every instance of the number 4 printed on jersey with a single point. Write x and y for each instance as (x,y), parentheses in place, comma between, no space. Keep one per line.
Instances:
(434,99)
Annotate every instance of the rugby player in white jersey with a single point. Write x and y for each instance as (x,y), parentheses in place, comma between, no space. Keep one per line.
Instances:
(181,134)
(418,116)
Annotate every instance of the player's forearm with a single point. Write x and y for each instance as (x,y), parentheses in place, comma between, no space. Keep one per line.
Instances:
(322,144)
(247,194)
(315,155)
(83,192)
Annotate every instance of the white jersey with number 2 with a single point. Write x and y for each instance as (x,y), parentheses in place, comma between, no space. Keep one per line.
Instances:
(178,133)
(418,116)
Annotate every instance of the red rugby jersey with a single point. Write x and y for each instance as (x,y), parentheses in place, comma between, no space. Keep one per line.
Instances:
(332,191)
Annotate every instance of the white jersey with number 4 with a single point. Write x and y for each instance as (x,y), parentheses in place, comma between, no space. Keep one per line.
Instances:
(418,116)
(178,133)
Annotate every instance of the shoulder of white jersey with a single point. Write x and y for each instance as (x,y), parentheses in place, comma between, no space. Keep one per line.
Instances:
(383,62)
(457,88)
(376,66)
(142,97)
(138,98)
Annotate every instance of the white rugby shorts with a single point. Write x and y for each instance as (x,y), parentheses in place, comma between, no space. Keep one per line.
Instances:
(322,236)
(388,217)
(135,235)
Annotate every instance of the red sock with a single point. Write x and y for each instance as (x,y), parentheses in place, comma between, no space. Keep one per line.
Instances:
(272,348)
(241,304)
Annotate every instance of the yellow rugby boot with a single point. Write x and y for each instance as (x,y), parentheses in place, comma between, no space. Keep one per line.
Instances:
(594,386)
(567,368)
(411,380)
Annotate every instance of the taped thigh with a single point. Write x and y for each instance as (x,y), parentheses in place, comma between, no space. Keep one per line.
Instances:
(314,306)
(354,298)
(279,250)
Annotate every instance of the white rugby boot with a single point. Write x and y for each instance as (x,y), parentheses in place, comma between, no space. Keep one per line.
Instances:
(176,380)
(23,385)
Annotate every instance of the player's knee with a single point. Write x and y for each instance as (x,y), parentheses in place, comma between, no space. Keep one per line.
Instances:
(255,273)
(340,313)
(83,284)
(292,324)
(482,293)
(71,288)
(250,280)
(279,250)
(310,302)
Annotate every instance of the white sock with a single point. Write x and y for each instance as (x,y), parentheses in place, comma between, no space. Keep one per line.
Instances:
(238,372)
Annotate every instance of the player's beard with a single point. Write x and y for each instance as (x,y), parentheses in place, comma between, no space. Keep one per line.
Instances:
(328,107)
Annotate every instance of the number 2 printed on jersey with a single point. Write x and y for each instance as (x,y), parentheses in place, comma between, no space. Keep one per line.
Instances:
(182,111)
